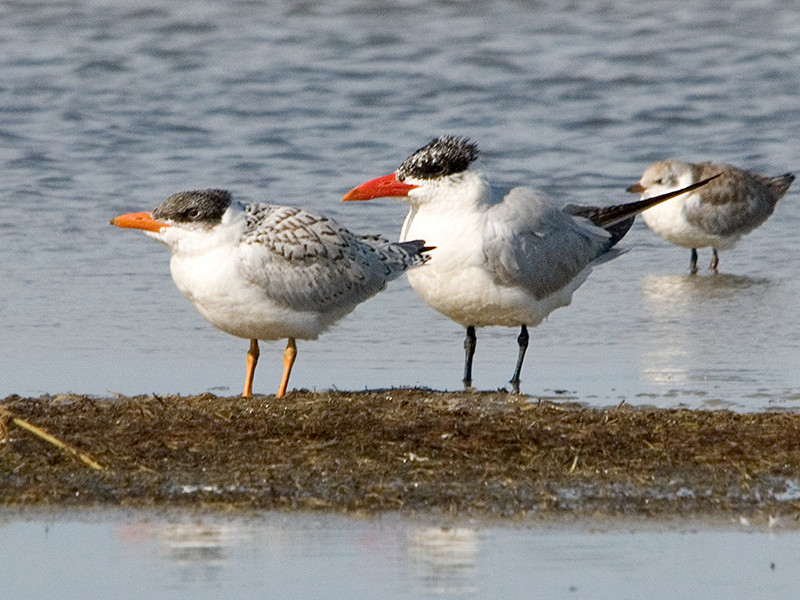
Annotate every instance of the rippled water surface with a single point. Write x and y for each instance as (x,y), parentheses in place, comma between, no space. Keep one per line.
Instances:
(108,107)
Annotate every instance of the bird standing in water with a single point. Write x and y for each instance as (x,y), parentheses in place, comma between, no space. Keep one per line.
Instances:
(501,259)
(717,215)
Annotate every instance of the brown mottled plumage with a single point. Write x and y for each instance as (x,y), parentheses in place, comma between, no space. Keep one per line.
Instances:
(716,215)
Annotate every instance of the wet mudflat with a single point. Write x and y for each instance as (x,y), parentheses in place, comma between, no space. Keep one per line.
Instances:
(411,450)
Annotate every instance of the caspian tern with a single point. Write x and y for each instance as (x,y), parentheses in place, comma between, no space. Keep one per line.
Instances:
(507,261)
(718,214)
(265,272)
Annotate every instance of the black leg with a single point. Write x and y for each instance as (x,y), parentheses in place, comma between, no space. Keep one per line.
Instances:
(693,262)
(714,260)
(522,340)
(469,352)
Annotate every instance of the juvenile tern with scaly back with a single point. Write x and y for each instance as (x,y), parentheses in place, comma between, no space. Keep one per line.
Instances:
(506,260)
(265,272)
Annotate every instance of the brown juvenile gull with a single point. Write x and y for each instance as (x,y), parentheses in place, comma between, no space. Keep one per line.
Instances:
(716,215)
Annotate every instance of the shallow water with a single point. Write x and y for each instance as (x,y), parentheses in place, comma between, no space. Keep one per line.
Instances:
(307,556)
(108,107)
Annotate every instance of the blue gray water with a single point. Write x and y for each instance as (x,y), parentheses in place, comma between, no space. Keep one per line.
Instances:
(108,107)
(305,556)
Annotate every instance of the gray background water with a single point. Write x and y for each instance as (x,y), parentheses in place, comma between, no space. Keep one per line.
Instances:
(108,107)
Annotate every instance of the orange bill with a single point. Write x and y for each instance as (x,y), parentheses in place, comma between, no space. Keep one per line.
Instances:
(140,220)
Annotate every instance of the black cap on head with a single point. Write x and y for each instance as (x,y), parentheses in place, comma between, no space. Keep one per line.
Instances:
(445,155)
(195,206)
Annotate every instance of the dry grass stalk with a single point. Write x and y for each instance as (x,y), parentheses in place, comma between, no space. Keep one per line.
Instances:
(85,458)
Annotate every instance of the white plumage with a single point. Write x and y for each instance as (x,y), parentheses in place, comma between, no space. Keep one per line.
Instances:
(506,260)
(265,272)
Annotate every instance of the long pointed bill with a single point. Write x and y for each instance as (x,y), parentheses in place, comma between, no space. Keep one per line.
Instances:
(383,187)
(636,188)
(140,220)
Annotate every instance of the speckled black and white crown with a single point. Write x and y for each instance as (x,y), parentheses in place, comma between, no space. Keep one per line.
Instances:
(194,206)
(445,155)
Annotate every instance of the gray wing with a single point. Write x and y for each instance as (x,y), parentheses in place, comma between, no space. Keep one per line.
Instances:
(529,241)
(734,203)
(310,262)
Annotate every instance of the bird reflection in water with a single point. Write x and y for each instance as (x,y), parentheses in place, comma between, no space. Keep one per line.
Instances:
(443,560)
(692,328)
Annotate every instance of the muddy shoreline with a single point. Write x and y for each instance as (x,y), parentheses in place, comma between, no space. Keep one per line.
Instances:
(412,451)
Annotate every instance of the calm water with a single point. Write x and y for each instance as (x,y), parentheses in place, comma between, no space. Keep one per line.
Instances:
(108,107)
(332,557)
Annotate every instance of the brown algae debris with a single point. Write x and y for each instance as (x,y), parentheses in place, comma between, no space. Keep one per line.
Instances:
(489,454)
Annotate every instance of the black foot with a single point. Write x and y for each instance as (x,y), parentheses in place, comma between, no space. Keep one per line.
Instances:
(522,340)
(469,351)
(714,260)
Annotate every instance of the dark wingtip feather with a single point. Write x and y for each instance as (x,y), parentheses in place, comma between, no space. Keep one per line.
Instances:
(618,219)
(781,183)
(417,249)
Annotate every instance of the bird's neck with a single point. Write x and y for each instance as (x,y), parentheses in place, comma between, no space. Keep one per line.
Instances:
(442,210)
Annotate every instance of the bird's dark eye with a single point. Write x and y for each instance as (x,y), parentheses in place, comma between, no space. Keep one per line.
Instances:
(191,214)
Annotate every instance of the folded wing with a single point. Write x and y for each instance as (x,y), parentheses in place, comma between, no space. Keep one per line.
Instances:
(531,242)
(310,262)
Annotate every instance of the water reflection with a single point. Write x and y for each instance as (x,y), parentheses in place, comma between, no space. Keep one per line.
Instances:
(199,551)
(210,553)
(191,544)
(665,294)
(443,560)
(698,329)
(316,556)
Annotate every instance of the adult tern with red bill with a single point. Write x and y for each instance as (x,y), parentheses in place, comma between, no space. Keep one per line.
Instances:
(506,260)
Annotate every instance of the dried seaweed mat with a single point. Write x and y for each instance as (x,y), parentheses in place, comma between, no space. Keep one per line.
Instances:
(490,454)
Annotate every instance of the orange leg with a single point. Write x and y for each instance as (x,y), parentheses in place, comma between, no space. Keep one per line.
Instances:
(252,361)
(288,360)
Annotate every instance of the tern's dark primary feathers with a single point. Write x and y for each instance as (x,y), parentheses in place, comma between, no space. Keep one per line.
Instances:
(618,219)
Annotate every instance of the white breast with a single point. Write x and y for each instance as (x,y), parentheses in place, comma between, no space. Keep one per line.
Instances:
(207,270)
(668,220)
(458,283)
